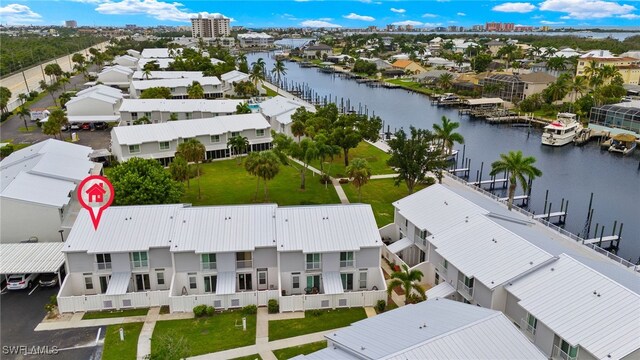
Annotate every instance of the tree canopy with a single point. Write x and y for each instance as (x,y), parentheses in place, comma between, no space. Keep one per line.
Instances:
(143,182)
(156,93)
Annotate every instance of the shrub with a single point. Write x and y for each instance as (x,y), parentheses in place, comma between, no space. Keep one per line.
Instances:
(6,116)
(380,305)
(273,307)
(343,181)
(325,179)
(33,95)
(250,310)
(210,310)
(315,313)
(53,299)
(6,150)
(200,310)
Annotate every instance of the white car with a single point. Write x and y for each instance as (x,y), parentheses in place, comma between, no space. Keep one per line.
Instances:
(20,281)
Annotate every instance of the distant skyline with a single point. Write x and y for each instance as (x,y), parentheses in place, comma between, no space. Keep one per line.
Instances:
(325,13)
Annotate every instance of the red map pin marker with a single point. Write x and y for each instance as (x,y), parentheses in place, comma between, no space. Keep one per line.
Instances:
(95,193)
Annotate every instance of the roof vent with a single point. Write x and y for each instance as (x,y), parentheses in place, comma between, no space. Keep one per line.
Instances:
(184,221)
(530,262)
(552,269)
(446,203)
(361,347)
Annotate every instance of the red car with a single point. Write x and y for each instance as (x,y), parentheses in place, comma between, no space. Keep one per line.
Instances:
(85,126)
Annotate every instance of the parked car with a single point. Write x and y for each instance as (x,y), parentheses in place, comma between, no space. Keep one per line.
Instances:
(74,126)
(21,281)
(85,126)
(64,127)
(48,280)
(100,125)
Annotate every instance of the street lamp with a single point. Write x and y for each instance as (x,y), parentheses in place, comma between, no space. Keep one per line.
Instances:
(61,236)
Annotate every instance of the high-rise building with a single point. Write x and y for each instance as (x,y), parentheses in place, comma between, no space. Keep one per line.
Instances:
(71,24)
(478,28)
(213,26)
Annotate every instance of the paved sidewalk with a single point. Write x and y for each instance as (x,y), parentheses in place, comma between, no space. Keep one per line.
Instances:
(384,176)
(335,182)
(144,340)
(77,322)
(371,312)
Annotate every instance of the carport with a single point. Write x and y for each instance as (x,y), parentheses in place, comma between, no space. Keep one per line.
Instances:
(31,258)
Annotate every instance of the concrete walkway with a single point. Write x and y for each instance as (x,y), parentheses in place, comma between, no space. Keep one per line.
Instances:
(370,311)
(335,182)
(75,321)
(144,340)
(398,299)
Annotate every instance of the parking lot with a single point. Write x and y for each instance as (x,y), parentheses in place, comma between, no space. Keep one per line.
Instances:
(22,311)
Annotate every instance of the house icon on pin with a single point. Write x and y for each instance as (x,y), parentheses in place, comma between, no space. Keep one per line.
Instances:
(96,192)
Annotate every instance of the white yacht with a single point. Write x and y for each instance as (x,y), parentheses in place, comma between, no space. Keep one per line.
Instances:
(562,131)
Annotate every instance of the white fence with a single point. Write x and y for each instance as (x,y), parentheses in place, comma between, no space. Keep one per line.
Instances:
(186,303)
(394,258)
(112,302)
(390,232)
(326,301)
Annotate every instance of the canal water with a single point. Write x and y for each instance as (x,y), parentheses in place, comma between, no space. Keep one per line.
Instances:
(569,172)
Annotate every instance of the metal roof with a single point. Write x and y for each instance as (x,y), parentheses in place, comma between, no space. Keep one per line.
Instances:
(441,290)
(283,108)
(180,105)
(26,258)
(226,283)
(326,228)
(123,229)
(400,245)
(39,189)
(139,75)
(116,68)
(118,283)
(163,63)
(583,307)
(158,52)
(483,101)
(172,83)
(493,255)
(435,329)
(212,229)
(101,89)
(332,282)
(234,76)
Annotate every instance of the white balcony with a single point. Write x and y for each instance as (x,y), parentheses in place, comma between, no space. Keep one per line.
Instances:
(528,329)
(102,267)
(244,264)
(441,269)
(465,291)
(560,354)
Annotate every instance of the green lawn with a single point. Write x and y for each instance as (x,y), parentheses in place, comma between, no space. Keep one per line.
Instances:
(115,313)
(249,357)
(210,334)
(377,160)
(269,91)
(409,84)
(114,349)
(288,353)
(225,182)
(380,193)
(326,320)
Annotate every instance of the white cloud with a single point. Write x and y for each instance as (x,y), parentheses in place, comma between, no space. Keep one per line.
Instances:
(407,22)
(443,0)
(398,11)
(461,14)
(17,14)
(325,19)
(630,16)
(318,23)
(427,15)
(431,24)
(354,16)
(156,9)
(545,22)
(514,7)
(586,9)
(371,2)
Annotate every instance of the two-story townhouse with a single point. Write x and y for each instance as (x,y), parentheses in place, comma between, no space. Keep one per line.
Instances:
(94,104)
(278,111)
(160,141)
(156,75)
(123,263)
(230,78)
(126,60)
(162,110)
(116,75)
(328,256)
(210,84)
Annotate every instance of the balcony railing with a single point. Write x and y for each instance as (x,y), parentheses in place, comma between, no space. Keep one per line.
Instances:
(208,266)
(528,329)
(560,354)
(346,263)
(243,264)
(313,266)
(465,290)
(103,266)
(441,269)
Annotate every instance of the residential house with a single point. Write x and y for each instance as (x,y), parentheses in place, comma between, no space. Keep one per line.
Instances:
(161,110)
(252,39)
(566,53)
(160,53)
(494,46)
(135,53)
(230,78)
(409,66)
(162,63)
(542,67)
(157,75)
(381,64)
(160,141)
(516,87)
(211,85)
(431,77)
(278,111)
(38,197)
(116,76)
(99,103)
(433,329)
(317,51)
(629,67)
(127,61)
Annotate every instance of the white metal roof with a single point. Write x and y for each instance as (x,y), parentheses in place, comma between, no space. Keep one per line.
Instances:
(484,101)
(27,258)
(441,290)
(39,189)
(332,282)
(139,75)
(234,76)
(102,89)
(158,52)
(163,63)
(435,329)
(583,307)
(92,118)
(444,209)
(123,229)
(226,283)
(326,228)
(95,96)
(117,68)
(254,35)
(180,105)
(118,283)
(492,255)
(172,83)
(138,134)
(212,229)
(400,245)
(283,108)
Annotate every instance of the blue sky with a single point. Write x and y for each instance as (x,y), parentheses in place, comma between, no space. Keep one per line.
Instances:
(314,13)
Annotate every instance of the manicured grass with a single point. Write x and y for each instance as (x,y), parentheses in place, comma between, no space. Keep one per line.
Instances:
(114,349)
(210,334)
(288,353)
(249,357)
(269,91)
(225,182)
(114,314)
(381,194)
(23,129)
(376,158)
(409,84)
(323,320)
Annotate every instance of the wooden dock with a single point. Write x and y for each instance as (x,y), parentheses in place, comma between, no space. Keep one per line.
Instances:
(602,239)
(485,182)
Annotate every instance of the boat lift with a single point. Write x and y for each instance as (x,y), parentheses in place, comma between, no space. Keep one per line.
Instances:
(548,215)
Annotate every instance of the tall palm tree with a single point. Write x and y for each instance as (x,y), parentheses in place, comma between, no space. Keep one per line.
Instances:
(146,72)
(409,280)
(445,133)
(520,170)
(578,85)
(63,81)
(241,58)
(556,63)
(195,91)
(359,172)
(445,81)
(238,145)
(256,75)
(23,98)
(264,165)
(297,129)
(279,69)
(592,72)
(193,151)
(259,63)
(24,112)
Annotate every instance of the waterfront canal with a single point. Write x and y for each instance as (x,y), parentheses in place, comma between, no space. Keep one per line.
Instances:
(569,172)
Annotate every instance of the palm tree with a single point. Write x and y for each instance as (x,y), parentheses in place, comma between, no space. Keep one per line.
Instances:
(445,133)
(556,63)
(146,72)
(279,69)
(243,108)
(238,145)
(259,63)
(507,52)
(359,172)
(24,112)
(53,125)
(409,280)
(179,169)
(23,98)
(445,81)
(193,151)
(241,58)
(592,72)
(535,52)
(256,75)
(557,90)
(520,170)
(63,81)
(264,165)
(297,129)
(578,85)
(195,91)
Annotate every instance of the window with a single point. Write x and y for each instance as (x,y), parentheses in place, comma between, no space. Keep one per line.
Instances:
(532,323)
(235,133)
(193,284)
(244,282)
(363,280)
(208,261)
(424,234)
(347,281)
(103,261)
(134,149)
(295,280)
(139,259)
(346,259)
(243,260)
(406,223)
(164,145)
(210,284)
(313,262)
(570,352)
(134,116)
(313,284)
(215,139)
(445,263)
(147,115)
(88,283)
(187,116)
(160,278)
(260,132)
(468,282)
